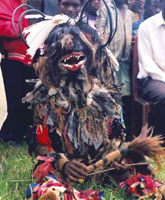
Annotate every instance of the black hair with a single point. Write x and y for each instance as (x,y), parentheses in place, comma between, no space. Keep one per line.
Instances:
(81,1)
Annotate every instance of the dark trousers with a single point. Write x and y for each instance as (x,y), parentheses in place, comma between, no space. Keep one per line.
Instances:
(154,92)
(15,73)
(127,112)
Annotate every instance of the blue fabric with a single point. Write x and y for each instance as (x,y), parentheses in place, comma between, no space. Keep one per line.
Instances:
(29,191)
(135,26)
(51,7)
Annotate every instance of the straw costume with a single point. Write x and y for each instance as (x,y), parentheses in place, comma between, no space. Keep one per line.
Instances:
(76,104)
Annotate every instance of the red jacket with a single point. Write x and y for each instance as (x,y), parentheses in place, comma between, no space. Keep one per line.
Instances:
(12,43)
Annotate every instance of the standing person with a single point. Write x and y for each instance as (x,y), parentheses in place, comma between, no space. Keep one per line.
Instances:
(93,12)
(151,51)
(70,7)
(151,7)
(137,6)
(16,68)
(120,47)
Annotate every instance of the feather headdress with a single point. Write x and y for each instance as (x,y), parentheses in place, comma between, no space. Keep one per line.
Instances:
(37,33)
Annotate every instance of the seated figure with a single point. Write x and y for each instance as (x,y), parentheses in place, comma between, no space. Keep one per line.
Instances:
(151,51)
(76,100)
(76,103)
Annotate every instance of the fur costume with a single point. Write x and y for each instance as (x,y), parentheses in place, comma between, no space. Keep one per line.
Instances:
(76,102)
(78,96)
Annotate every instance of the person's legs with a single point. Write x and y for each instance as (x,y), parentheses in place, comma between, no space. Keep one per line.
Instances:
(14,127)
(28,73)
(127,115)
(154,92)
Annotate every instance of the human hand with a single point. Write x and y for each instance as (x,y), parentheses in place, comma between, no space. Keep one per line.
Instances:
(138,6)
(119,166)
(75,170)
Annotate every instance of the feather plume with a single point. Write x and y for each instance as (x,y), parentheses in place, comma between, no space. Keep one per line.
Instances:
(150,147)
(37,33)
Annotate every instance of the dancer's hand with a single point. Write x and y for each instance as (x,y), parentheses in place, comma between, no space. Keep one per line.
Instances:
(119,166)
(75,170)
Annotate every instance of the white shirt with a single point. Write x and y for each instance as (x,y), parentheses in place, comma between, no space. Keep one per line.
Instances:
(151,48)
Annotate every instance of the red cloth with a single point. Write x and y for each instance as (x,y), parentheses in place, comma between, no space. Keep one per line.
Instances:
(42,136)
(149,184)
(12,43)
(45,168)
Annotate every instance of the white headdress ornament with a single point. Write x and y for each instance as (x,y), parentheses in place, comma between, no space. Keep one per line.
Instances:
(113,59)
(37,33)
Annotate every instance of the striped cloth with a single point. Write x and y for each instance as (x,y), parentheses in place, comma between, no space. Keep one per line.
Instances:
(121,43)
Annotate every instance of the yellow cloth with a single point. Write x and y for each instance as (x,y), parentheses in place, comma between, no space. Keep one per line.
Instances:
(3,103)
(136,17)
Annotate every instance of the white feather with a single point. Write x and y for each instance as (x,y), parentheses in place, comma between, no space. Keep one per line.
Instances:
(113,59)
(37,16)
(52,91)
(37,33)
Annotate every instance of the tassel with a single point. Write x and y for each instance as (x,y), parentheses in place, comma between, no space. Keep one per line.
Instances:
(42,136)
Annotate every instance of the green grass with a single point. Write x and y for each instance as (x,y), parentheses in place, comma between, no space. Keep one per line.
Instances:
(15,172)
(15,175)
